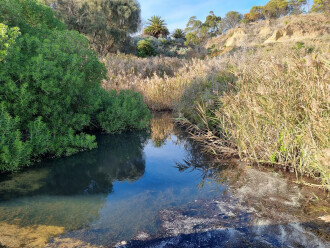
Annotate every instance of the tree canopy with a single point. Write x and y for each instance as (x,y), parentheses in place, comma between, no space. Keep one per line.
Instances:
(231,20)
(178,34)
(321,6)
(197,31)
(156,27)
(106,23)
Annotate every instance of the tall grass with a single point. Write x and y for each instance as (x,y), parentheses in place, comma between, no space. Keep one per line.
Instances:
(161,80)
(276,111)
(267,104)
(280,114)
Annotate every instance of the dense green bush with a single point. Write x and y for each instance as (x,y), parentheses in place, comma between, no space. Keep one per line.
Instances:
(163,46)
(126,109)
(145,49)
(7,39)
(50,90)
(13,151)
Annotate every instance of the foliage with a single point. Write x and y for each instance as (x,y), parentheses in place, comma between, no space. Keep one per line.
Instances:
(158,79)
(178,34)
(276,8)
(13,151)
(145,49)
(255,14)
(50,89)
(126,109)
(231,20)
(213,23)
(197,32)
(106,23)
(156,27)
(193,39)
(7,39)
(29,16)
(296,6)
(163,46)
(275,113)
(321,6)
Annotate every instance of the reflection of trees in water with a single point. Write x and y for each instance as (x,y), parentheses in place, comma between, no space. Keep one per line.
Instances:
(39,196)
(162,126)
(119,157)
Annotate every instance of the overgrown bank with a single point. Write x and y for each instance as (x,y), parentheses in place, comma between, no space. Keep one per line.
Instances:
(268,104)
(272,110)
(50,89)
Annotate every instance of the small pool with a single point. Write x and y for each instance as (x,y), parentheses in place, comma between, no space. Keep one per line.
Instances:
(111,193)
(155,189)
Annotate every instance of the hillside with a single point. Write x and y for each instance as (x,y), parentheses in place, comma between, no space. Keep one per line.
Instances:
(294,28)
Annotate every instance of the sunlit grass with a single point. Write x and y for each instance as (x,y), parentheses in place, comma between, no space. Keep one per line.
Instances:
(267,104)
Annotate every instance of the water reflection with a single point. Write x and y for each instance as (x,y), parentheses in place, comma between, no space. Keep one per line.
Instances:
(158,183)
(119,157)
(104,195)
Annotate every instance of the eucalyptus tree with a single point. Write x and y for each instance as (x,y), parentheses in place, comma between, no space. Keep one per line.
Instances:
(106,23)
(276,8)
(321,6)
(255,14)
(198,32)
(231,20)
(213,23)
(156,27)
(296,6)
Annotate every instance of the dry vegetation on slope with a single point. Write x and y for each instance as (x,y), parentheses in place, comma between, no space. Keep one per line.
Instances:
(293,28)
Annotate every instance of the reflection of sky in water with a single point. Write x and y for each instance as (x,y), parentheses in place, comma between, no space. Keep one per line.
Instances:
(133,206)
(107,194)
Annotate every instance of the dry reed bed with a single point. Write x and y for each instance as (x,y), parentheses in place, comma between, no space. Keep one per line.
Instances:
(280,114)
(161,80)
(270,105)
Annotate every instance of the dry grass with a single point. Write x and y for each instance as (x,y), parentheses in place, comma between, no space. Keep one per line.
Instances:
(269,104)
(162,126)
(280,114)
(160,80)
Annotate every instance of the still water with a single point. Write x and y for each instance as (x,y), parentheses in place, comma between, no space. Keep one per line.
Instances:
(108,194)
(156,188)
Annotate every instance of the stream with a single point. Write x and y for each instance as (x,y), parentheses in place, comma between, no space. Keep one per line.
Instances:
(154,188)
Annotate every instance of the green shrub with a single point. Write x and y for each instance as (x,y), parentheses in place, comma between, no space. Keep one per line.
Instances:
(145,49)
(7,39)
(50,90)
(300,45)
(123,111)
(13,151)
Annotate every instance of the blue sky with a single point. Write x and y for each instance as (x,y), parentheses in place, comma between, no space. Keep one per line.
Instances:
(177,12)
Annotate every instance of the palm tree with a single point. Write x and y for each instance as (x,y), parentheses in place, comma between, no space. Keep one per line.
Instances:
(178,34)
(156,27)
